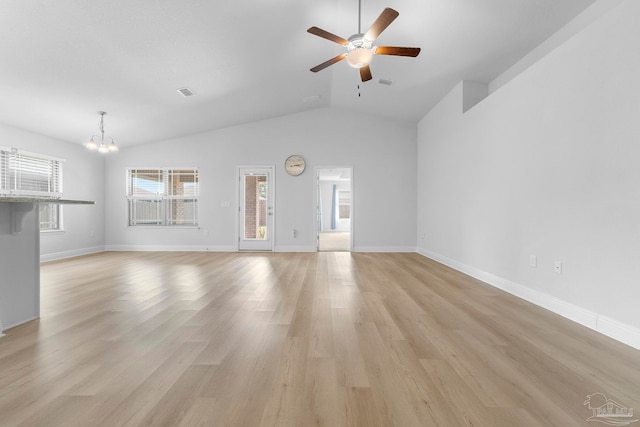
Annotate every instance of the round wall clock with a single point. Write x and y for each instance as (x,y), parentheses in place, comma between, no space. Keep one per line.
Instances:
(294,165)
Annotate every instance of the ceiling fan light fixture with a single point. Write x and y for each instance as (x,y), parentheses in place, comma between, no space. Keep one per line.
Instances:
(359,57)
(359,51)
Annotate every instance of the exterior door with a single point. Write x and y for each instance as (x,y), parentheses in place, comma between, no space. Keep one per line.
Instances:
(256,209)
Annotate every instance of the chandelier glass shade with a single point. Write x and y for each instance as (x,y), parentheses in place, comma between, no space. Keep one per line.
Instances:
(97,142)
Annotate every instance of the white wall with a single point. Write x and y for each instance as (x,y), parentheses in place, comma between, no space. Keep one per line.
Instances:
(83,179)
(382,154)
(546,165)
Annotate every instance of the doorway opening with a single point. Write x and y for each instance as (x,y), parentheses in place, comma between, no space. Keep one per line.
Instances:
(334,209)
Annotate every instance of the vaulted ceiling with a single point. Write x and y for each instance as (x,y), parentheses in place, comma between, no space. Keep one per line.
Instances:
(246,60)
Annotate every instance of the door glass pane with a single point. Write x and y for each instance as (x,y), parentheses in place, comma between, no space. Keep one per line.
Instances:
(255,207)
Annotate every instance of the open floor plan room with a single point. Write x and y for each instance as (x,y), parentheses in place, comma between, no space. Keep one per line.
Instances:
(282,339)
(204,224)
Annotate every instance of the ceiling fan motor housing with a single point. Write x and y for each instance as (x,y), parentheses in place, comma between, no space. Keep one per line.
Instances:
(359,51)
(358,40)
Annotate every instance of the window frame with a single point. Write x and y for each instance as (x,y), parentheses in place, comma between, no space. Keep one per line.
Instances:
(58,222)
(164,196)
(341,203)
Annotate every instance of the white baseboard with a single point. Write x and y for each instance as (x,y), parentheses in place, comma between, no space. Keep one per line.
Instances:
(401,249)
(355,249)
(619,331)
(70,254)
(612,328)
(202,248)
(13,325)
(169,248)
(296,249)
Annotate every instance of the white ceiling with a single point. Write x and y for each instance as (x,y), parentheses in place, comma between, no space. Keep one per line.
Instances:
(246,60)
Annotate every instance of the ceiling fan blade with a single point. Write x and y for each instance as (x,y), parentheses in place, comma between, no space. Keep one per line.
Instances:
(386,17)
(397,51)
(325,64)
(327,35)
(365,73)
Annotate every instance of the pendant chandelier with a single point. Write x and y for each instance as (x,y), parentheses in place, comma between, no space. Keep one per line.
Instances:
(101,146)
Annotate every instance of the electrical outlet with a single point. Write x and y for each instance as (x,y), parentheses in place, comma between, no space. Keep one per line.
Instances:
(533,261)
(557,267)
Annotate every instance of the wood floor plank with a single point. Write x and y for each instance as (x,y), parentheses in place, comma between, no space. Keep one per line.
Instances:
(273,339)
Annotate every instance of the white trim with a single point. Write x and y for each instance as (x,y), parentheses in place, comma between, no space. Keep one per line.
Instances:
(162,227)
(22,322)
(31,153)
(316,213)
(231,248)
(274,208)
(617,330)
(70,254)
(296,249)
(50,232)
(169,248)
(400,249)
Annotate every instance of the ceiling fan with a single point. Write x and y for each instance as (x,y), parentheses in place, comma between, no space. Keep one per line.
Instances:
(360,48)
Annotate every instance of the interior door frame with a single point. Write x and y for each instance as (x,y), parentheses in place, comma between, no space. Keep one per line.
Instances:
(239,205)
(316,211)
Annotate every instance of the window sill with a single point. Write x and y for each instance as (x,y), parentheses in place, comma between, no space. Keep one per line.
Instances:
(50,232)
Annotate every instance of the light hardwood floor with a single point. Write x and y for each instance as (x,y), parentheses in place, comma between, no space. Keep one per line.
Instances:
(332,241)
(328,339)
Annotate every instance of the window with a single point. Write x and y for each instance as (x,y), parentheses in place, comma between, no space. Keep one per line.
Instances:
(50,217)
(33,175)
(163,197)
(28,174)
(344,204)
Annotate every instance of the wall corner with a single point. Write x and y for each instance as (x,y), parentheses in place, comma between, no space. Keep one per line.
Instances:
(472,94)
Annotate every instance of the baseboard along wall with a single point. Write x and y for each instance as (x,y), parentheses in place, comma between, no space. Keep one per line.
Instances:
(612,328)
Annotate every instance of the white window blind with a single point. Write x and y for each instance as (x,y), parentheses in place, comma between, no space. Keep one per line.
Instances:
(163,196)
(29,174)
(344,204)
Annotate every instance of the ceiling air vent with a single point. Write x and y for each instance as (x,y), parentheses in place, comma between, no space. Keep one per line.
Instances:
(185,91)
